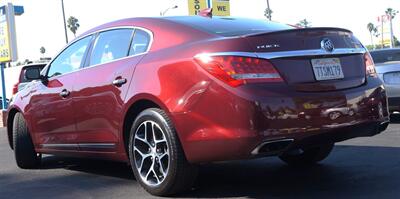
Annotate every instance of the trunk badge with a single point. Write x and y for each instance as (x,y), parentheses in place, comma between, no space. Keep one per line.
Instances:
(327,45)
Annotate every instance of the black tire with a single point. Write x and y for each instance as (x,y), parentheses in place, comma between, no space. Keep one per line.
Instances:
(181,175)
(24,151)
(307,156)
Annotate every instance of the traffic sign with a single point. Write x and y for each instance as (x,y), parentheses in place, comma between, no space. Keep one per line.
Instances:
(195,6)
(221,7)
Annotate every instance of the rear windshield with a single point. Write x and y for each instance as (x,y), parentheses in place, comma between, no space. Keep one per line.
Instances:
(225,26)
(384,56)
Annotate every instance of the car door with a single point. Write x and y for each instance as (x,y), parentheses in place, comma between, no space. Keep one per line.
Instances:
(51,104)
(101,87)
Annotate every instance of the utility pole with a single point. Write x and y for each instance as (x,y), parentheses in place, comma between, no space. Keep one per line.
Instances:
(269,11)
(65,24)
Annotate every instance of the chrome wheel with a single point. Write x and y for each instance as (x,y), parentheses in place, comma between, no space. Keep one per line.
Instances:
(151,153)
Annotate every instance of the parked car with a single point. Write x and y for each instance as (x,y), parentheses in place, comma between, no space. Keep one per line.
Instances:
(168,94)
(27,70)
(388,68)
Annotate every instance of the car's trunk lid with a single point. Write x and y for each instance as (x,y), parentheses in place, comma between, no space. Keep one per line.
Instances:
(294,52)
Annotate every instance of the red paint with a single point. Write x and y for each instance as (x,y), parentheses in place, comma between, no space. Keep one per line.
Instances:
(214,120)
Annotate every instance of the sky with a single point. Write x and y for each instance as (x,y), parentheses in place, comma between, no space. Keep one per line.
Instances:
(42,25)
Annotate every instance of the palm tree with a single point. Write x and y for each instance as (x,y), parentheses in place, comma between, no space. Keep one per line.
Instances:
(73,24)
(371,28)
(268,12)
(304,23)
(391,13)
(42,51)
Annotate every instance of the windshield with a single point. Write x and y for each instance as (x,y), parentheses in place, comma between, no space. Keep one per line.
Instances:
(385,56)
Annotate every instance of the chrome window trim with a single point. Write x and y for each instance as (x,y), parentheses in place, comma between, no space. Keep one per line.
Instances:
(294,53)
(94,34)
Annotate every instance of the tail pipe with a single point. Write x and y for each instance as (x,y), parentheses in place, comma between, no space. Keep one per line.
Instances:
(273,147)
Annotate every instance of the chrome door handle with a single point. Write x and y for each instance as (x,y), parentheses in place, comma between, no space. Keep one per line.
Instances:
(64,93)
(119,82)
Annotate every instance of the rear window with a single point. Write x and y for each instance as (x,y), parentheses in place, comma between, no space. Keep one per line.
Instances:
(386,56)
(225,26)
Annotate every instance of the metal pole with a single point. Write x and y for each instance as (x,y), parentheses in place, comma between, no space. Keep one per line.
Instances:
(3,87)
(65,23)
(382,32)
(269,10)
(209,3)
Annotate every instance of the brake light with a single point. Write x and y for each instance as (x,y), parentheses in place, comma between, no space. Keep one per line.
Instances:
(237,70)
(369,65)
(15,88)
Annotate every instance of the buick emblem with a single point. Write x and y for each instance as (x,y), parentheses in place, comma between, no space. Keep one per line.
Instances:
(327,45)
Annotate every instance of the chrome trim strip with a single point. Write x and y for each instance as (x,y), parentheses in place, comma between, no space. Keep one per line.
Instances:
(294,53)
(82,145)
(314,52)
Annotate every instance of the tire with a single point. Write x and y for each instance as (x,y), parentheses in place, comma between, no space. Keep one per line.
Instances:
(24,151)
(308,156)
(171,173)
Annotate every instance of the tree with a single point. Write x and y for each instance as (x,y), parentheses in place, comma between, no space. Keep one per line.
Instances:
(304,23)
(42,50)
(73,24)
(391,13)
(267,13)
(373,31)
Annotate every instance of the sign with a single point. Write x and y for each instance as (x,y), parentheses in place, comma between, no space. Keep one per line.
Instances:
(195,6)
(8,44)
(221,8)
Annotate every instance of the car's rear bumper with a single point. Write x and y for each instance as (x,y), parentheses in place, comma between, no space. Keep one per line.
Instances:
(229,124)
(394,104)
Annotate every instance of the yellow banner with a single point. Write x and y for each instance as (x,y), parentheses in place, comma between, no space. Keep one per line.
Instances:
(195,6)
(221,8)
(5,51)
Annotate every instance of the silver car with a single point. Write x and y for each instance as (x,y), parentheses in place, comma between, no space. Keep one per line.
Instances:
(387,63)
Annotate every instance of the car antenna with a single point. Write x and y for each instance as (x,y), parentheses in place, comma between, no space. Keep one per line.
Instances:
(206,13)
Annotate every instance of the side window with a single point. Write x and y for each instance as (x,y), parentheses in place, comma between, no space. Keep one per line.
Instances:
(140,42)
(70,59)
(111,45)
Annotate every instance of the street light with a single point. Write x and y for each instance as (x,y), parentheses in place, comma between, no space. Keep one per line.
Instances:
(166,10)
(65,25)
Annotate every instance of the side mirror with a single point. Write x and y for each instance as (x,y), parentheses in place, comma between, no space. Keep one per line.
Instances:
(32,74)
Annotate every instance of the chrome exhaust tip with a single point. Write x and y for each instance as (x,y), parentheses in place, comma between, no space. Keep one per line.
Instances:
(272,147)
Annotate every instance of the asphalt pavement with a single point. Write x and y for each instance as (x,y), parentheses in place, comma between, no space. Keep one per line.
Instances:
(358,168)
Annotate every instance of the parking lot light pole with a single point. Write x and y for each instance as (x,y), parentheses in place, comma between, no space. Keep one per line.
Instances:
(65,24)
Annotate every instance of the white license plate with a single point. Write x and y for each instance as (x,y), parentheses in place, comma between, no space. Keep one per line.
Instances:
(327,69)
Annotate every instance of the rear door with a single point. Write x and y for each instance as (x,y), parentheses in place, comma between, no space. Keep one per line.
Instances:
(313,59)
(101,87)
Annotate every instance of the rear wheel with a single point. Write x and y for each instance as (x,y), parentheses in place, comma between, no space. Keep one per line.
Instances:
(156,155)
(24,151)
(308,156)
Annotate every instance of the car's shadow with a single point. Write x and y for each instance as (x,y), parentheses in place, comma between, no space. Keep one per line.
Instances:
(395,118)
(349,171)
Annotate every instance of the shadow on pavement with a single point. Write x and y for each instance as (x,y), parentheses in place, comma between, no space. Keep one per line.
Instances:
(395,119)
(350,171)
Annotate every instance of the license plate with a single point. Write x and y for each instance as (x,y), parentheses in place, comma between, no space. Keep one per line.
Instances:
(327,69)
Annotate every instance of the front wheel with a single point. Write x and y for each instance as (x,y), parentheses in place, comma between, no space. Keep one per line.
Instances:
(156,156)
(308,156)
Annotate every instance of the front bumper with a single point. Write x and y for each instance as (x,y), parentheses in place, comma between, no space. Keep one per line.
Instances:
(227,124)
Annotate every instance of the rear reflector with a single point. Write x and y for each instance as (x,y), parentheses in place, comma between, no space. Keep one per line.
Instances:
(237,70)
(369,65)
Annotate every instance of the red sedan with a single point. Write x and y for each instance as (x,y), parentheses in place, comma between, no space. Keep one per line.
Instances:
(166,94)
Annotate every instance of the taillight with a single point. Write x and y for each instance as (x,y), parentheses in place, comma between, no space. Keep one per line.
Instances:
(15,89)
(369,65)
(237,70)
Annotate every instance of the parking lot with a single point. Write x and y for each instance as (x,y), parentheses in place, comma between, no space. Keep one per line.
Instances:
(359,168)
